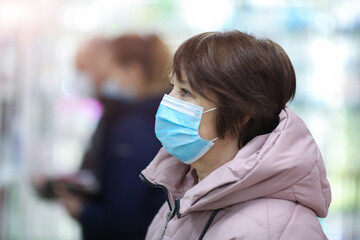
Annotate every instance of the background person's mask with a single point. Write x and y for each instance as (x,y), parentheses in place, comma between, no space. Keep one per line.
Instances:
(110,89)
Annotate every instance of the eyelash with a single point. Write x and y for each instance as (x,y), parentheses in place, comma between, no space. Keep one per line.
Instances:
(183,92)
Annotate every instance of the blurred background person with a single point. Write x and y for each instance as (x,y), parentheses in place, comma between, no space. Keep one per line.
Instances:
(129,77)
(124,141)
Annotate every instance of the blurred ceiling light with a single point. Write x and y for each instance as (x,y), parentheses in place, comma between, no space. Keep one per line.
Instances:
(207,14)
(79,17)
(324,22)
(327,81)
(11,14)
(346,14)
(268,3)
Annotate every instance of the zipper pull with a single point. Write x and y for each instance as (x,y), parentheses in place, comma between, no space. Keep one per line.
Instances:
(171,214)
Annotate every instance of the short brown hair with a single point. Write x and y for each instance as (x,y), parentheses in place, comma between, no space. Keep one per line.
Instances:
(250,79)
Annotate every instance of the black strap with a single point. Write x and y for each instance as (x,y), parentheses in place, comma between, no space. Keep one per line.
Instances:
(208,224)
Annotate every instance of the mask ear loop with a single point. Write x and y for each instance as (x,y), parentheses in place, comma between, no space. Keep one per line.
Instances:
(209,110)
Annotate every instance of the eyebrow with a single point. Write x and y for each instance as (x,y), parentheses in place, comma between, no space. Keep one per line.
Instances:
(182,81)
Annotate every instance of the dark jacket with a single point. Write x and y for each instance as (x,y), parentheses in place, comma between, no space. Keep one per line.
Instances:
(123,144)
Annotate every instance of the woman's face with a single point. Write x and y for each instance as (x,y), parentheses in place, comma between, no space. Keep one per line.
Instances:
(183,91)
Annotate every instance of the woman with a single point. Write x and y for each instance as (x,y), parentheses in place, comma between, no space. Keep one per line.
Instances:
(236,162)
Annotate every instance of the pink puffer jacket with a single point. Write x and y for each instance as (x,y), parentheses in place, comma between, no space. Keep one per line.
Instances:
(275,188)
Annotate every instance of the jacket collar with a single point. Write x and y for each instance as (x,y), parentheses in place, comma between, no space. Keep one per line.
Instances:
(279,164)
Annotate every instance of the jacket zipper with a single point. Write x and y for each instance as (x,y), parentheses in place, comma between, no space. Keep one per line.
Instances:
(172,211)
(168,218)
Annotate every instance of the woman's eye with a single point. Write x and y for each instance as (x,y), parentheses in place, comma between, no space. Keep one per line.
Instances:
(184,92)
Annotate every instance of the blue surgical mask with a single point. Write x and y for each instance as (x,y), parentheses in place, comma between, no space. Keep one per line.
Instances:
(112,90)
(177,128)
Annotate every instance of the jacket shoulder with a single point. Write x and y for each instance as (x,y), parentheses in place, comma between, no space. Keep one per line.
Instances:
(266,218)
(263,218)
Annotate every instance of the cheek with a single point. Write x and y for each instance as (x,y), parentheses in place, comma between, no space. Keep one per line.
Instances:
(125,81)
(173,94)
(207,128)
